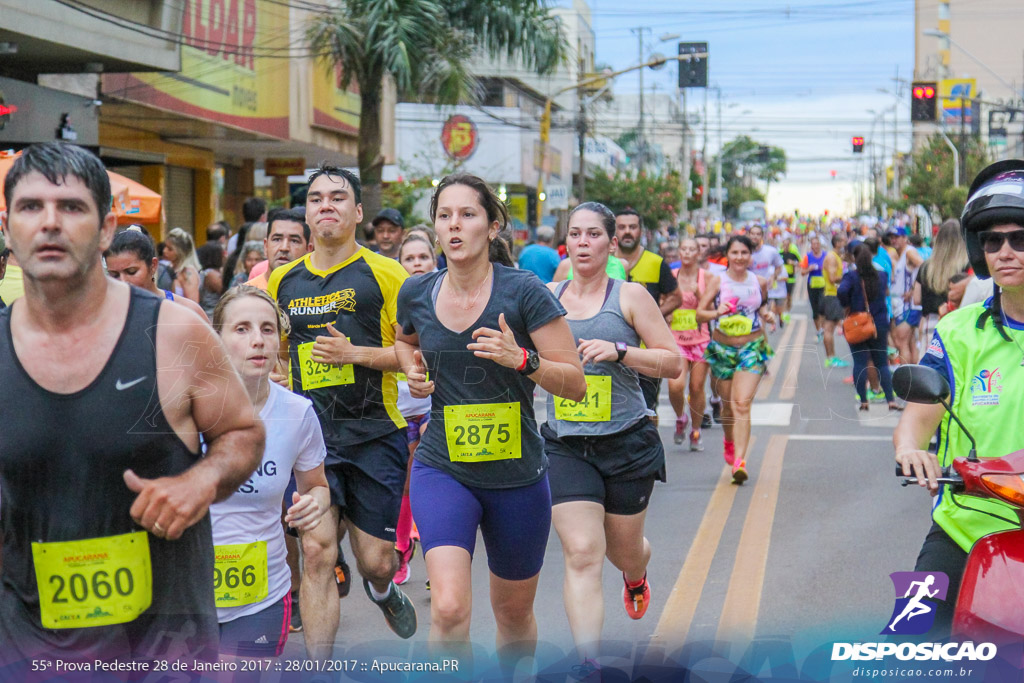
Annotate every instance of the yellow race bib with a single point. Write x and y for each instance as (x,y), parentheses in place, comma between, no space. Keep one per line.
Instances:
(736,325)
(317,375)
(684,320)
(817,281)
(240,573)
(596,406)
(483,432)
(93,582)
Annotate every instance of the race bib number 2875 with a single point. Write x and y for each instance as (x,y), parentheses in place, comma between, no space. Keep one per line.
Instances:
(483,432)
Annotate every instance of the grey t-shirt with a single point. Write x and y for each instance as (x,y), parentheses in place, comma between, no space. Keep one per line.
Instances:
(483,430)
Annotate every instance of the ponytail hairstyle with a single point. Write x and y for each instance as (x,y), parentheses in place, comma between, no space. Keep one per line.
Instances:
(607,217)
(867,273)
(186,248)
(741,239)
(241,291)
(134,241)
(499,250)
(417,236)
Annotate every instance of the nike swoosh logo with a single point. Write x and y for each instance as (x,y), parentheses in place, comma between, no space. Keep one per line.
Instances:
(121,386)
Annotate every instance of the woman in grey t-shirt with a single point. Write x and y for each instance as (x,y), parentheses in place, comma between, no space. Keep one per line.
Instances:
(487,334)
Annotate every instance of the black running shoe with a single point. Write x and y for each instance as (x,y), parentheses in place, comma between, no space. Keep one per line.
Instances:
(398,610)
(705,422)
(716,411)
(296,624)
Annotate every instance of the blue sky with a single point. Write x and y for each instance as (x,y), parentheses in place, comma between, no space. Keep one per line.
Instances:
(806,70)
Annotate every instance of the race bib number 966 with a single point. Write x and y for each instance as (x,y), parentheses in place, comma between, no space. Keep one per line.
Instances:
(240,573)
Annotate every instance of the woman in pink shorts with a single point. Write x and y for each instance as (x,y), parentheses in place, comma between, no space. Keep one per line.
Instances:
(692,338)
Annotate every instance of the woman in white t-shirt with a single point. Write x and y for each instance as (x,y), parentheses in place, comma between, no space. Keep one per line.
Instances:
(417,255)
(252,581)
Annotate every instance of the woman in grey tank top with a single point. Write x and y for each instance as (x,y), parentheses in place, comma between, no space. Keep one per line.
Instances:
(605,453)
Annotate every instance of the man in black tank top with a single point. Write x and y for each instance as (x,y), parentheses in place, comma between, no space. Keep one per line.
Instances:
(104,392)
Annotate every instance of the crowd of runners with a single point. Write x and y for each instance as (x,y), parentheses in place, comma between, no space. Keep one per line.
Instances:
(187,459)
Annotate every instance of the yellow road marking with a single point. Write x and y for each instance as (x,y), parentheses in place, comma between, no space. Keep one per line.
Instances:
(788,389)
(743,599)
(677,614)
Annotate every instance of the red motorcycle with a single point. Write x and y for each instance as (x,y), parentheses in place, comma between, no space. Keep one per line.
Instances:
(989,605)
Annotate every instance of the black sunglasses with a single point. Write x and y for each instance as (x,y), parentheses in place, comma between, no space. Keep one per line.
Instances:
(992,241)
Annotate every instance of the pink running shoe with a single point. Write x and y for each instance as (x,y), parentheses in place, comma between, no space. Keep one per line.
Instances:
(729,452)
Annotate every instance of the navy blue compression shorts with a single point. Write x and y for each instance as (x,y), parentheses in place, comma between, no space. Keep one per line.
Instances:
(514,522)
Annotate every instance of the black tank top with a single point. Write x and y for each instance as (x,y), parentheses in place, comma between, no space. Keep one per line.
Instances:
(61,462)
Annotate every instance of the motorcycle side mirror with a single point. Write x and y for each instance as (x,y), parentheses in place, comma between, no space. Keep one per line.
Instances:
(920,384)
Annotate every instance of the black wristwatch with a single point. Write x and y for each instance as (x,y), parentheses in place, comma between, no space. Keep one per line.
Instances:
(621,348)
(532,363)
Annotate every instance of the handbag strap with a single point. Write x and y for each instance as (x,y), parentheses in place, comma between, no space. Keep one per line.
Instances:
(864,290)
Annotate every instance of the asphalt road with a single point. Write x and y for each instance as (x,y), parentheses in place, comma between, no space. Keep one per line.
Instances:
(796,558)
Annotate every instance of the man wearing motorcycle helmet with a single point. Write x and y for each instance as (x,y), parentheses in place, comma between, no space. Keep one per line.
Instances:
(980,350)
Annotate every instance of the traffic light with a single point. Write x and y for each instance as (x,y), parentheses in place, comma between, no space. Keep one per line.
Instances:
(922,101)
(693,73)
(858,145)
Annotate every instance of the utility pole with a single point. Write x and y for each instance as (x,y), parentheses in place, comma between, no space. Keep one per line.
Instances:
(963,139)
(896,194)
(685,161)
(582,180)
(718,165)
(704,160)
(641,145)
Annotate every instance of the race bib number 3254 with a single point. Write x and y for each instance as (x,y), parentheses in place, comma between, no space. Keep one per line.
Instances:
(317,375)
(483,432)
(93,582)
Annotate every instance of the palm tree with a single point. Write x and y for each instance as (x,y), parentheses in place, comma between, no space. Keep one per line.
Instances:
(425,47)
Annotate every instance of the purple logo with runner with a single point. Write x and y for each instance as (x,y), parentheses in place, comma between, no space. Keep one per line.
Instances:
(916,594)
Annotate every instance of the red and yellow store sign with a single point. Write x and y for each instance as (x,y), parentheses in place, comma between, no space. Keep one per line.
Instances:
(334,108)
(234,67)
(459,137)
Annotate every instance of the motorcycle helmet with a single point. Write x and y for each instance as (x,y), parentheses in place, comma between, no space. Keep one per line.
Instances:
(996,197)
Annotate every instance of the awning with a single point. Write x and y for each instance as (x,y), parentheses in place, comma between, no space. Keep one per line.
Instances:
(133,202)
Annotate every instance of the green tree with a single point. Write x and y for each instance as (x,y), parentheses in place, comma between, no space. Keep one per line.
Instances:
(425,47)
(744,158)
(655,197)
(929,177)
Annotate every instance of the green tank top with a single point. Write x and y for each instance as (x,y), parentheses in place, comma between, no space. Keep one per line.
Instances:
(615,269)
(988,397)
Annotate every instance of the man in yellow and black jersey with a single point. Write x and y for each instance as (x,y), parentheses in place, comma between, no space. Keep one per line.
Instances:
(341,302)
(653,272)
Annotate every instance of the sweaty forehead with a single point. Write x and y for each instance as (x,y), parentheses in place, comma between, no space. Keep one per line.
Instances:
(35,184)
(326,184)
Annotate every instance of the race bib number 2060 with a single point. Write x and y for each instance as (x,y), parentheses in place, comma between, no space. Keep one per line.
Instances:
(94,581)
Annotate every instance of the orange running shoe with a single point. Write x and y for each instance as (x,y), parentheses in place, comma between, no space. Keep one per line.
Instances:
(636,598)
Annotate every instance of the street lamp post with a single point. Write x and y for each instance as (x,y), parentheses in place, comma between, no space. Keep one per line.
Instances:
(654,62)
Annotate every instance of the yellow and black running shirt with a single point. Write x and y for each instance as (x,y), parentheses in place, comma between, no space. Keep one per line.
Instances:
(359,297)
